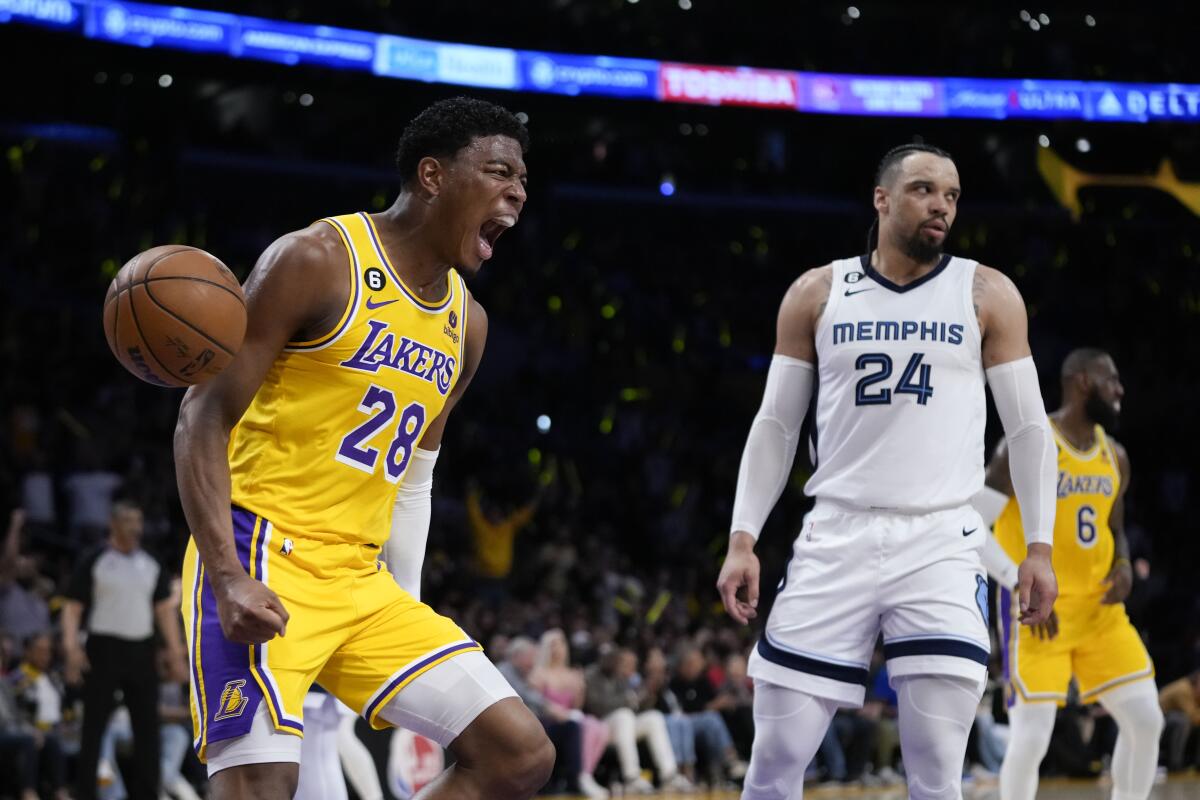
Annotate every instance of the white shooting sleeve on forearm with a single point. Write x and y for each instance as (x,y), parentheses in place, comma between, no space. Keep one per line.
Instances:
(990,503)
(404,551)
(771,445)
(1032,456)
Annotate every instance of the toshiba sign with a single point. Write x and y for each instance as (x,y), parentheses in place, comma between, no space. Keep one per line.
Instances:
(727,86)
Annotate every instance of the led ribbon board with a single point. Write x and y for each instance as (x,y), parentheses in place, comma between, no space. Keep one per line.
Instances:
(238,36)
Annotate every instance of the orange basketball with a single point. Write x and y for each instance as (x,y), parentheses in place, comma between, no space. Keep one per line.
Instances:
(174,315)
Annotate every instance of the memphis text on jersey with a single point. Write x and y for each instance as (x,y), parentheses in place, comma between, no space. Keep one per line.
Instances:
(384,348)
(890,331)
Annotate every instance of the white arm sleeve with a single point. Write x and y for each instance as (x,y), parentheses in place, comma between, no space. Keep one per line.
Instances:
(990,503)
(771,445)
(997,563)
(404,551)
(1032,457)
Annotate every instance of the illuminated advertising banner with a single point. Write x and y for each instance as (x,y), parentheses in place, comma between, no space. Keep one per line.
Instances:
(866,94)
(146,25)
(50,13)
(728,86)
(558,73)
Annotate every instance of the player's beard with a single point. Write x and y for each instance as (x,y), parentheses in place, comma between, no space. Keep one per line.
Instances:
(921,249)
(1101,412)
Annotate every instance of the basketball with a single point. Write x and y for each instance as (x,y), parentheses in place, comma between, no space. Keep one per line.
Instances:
(174,315)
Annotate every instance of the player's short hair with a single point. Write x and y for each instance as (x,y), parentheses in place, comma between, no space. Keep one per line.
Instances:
(1078,361)
(885,173)
(125,504)
(448,126)
(890,163)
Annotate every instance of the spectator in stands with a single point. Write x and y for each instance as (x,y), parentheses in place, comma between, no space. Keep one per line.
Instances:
(561,722)
(1180,701)
(123,591)
(23,609)
(29,757)
(493,536)
(612,696)
(561,683)
(703,704)
(739,712)
(656,693)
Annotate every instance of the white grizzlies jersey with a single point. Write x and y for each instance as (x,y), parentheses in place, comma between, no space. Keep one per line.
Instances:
(900,408)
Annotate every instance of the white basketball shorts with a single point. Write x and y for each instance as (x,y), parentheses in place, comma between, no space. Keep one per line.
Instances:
(917,578)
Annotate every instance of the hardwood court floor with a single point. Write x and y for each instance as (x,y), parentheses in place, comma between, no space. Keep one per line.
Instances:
(1181,788)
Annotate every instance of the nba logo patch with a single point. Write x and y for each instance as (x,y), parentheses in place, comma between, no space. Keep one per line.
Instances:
(286,547)
(453,319)
(233,701)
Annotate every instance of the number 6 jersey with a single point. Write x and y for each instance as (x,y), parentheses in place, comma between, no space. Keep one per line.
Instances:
(900,409)
(327,439)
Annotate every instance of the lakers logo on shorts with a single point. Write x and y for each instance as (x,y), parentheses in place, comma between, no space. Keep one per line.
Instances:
(233,701)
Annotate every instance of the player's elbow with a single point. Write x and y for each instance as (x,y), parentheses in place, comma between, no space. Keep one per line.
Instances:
(198,417)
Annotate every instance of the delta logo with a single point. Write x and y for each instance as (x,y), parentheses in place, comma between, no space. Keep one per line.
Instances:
(728,86)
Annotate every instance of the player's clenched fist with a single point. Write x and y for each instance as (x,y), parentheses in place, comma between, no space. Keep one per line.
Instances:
(738,582)
(250,612)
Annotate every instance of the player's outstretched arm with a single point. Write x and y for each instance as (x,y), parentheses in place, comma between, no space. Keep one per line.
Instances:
(404,551)
(1031,453)
(292,293)
(774,435)
(1120,577)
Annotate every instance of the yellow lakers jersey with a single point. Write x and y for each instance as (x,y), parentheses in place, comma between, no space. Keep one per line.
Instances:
(1083,543)
(325,443)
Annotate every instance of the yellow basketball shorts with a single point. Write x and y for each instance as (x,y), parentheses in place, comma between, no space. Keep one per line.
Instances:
(1096,643)
(352,629)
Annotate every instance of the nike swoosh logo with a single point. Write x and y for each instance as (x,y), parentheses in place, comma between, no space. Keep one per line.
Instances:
(860,291)
(969,532)
(371,305)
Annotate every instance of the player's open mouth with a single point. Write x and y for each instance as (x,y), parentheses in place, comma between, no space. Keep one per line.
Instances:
(491,230)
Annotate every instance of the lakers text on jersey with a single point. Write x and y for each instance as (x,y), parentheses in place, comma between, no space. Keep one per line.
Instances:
(315,464)
(1096,643)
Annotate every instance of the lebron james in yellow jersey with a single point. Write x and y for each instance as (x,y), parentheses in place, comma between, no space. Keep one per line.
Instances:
(1088,635)
(362,336)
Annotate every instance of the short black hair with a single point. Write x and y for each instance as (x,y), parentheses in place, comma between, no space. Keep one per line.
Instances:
(884,173)
(892,158)
(449,125)
(1079,360)
(125,502)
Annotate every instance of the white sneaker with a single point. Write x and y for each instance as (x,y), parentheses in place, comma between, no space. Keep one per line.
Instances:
(679,783)
(591,789)
(639,785)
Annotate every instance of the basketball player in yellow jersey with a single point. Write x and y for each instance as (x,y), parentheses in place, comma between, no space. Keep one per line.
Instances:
(362,336)
(1088,634)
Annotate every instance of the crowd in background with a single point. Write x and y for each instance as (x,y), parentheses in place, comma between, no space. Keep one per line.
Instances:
(587,478)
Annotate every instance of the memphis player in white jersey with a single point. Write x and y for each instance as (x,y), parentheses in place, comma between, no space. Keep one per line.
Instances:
(894,346)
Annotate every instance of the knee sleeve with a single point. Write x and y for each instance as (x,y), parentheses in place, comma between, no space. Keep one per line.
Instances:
(788,728)
(1030,726)
(1139,724)
(936,714)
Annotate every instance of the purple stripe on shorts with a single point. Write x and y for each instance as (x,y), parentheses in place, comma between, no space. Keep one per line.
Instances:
(403,676)
(260,557)
(1005,603)
(231,693)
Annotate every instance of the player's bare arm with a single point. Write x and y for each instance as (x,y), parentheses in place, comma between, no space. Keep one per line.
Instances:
(297,291)
(802,307)
(1004,327)
(1120,577)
